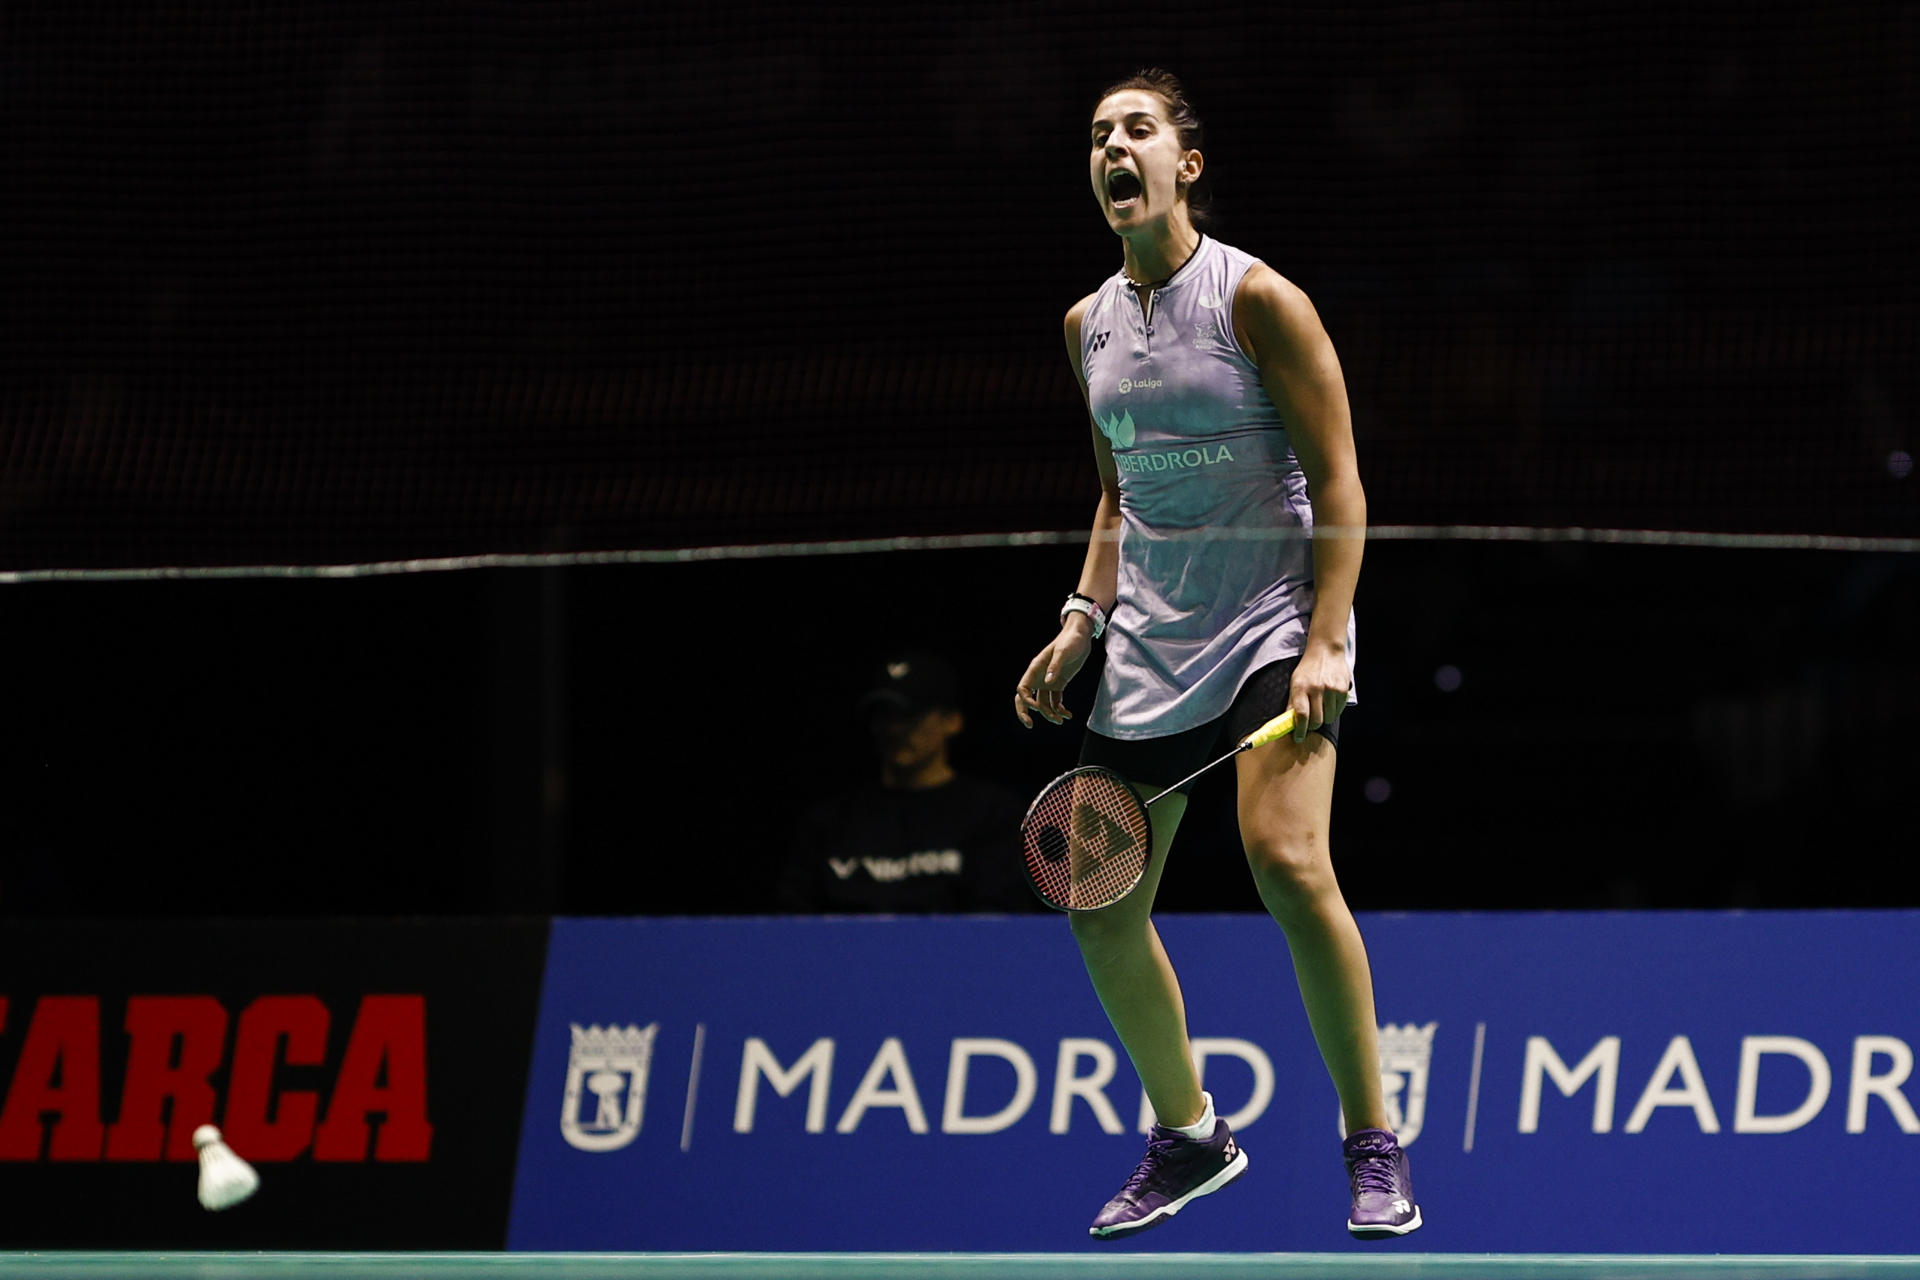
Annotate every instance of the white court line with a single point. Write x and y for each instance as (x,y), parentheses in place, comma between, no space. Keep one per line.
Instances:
(1370,1265)
(693,1085)
(1473,1089)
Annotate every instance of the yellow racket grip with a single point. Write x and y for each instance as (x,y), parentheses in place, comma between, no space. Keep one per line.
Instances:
(1273,730)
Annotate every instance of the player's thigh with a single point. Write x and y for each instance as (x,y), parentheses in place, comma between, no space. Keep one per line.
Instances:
(1150,765)
(1286,811)
(1126,918)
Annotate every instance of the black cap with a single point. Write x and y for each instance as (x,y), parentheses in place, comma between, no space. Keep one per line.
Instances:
(911,684)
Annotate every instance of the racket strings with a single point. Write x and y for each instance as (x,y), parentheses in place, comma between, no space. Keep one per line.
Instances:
(1086,840)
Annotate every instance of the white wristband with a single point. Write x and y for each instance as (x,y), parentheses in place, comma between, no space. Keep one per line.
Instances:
(1078,603)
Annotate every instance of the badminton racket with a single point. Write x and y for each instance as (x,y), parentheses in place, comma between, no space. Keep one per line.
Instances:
(1087,835)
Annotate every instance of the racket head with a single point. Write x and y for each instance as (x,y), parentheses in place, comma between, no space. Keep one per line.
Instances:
(1085,840)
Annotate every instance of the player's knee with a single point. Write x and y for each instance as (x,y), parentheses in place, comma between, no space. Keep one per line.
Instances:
(1109,931)
(1291,869)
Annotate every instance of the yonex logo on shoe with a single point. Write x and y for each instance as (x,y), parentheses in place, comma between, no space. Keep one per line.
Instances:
(1231,1150)
(1401,1206)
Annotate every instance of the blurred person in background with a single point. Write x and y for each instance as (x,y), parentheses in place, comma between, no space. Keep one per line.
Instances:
(921,836)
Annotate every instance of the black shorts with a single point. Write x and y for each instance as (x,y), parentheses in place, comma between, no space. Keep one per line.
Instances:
(1158,761)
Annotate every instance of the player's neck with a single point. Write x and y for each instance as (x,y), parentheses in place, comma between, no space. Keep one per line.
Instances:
(1159,251)
(923,775)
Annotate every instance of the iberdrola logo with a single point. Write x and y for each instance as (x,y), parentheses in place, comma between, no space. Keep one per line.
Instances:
(1119,431)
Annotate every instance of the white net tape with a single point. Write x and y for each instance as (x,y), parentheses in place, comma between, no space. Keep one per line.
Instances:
(970,541)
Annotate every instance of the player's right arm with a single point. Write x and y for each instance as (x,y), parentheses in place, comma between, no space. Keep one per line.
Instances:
(1056,665)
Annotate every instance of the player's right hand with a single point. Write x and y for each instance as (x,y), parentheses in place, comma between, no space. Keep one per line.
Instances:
(1050,671)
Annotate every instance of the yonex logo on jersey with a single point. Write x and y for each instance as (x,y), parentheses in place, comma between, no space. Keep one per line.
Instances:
(1210,301)
(1100,339)
(1119,431)
(1143,384)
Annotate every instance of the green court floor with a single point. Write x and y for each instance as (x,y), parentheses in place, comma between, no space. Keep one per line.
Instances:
(944,1266)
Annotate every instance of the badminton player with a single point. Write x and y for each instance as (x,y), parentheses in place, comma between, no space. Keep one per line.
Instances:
(1218,408)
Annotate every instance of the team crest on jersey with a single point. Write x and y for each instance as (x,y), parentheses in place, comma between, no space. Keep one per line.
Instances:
(1118,430)
(611,1064)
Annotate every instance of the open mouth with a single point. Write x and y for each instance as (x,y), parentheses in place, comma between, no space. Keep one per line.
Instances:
(1123,188)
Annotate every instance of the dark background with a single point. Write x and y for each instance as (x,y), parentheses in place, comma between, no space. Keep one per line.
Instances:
(297,286)
(479,983)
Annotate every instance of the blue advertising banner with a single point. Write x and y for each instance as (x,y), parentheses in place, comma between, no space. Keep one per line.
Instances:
(1636,1083)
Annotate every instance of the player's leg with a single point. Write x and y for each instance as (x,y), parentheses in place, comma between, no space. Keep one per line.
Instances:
(1136,983)
(1190,1152)
(1286,795)
(1286,807)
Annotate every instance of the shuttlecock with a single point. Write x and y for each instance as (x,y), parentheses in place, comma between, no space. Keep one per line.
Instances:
(225,1179)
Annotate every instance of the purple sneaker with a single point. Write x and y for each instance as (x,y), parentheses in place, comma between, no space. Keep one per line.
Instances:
(1383,1203)
(1176,1169)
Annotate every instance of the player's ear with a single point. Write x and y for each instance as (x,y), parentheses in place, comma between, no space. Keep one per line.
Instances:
(1190,166)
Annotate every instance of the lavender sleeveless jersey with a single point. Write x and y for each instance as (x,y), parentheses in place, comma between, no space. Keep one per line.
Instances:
(1201,451)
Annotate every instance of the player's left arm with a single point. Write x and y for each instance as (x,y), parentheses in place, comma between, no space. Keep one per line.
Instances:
(1279,329)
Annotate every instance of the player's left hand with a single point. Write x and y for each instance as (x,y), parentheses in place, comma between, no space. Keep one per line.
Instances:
(1322,681)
